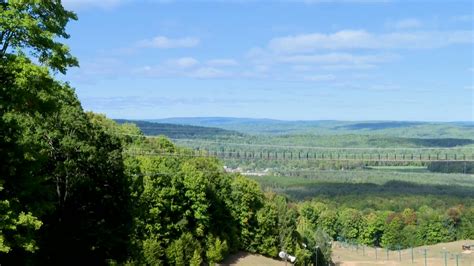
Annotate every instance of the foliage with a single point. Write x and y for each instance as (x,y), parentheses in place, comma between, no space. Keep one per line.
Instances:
(17,230)
(216,250)
(323,128)
(174,131)
(386,228)
(180,198)
(452,167)
(60,165)
(183,250)
(36,26)
(64,190)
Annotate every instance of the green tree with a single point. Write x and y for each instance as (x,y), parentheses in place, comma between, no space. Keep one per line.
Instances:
(392,236)
(374,228)
(17,230)
(216,250)
(37,27)
(328,222)
(182,250)
(351,223)
(266,237)
(196,260)
(466,226)
(58,165)
(431,227)
(247,199)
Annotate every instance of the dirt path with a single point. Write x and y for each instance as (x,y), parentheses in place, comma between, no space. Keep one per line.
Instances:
(248,259)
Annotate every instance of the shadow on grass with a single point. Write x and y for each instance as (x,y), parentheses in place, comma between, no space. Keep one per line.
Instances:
(389,189)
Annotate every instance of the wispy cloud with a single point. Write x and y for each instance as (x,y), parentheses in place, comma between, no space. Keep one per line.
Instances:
(118,103)
(163,42)
(187,69)
(408,23)
(183,62)
(333,58)
(208,72)
(337,67)
(301,62)
(361,39)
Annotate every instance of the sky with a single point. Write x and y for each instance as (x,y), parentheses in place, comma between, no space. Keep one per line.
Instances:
(289,60)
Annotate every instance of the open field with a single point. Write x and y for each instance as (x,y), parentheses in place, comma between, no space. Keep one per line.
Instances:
(350,256)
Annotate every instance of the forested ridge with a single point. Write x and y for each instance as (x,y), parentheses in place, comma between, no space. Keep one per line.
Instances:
(175,131)
(400,129)
(73,193)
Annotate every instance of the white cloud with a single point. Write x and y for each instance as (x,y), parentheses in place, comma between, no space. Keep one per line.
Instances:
(333,58)
(360,39)
(325,61)
(336,67)
(163,42)
(208,72)
(183,62)
(185,70)
(223,62)
(408,23)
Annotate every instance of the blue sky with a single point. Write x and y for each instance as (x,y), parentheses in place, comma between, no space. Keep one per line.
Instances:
(305,60)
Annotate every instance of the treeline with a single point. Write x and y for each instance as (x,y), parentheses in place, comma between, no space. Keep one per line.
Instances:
(397,129)
(64,195)
(389,229)
(175,131)
(189,211)
(452,167)
(342,141)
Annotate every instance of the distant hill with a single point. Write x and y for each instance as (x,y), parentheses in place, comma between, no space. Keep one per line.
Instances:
(382,125)
(216,121)
(176,131)
(405,129)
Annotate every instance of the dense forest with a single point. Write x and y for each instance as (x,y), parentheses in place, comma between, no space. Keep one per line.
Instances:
(74,191)
(174,131)
(403,129)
